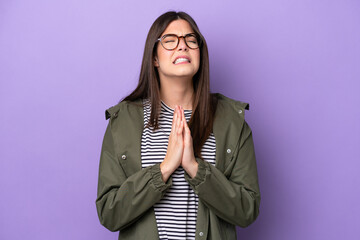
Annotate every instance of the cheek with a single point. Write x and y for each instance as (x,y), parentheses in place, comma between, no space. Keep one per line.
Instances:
(164,56)
(198,58)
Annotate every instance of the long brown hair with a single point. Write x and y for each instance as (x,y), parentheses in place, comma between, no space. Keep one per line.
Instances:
(204,103)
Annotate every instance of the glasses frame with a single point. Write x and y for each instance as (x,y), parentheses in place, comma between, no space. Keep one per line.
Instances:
(189,34)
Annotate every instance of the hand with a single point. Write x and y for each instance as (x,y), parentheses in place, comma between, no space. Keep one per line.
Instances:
(175,147)
(188,161)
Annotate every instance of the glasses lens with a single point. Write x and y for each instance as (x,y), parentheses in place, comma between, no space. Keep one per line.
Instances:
(170,42)
(192,41)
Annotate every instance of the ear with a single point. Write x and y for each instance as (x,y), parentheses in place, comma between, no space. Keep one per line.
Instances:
(156,62)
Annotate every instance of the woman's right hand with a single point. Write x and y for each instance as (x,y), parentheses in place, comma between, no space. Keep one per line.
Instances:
(175,147)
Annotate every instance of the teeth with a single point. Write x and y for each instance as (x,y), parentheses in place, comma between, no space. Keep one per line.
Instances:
(181,60)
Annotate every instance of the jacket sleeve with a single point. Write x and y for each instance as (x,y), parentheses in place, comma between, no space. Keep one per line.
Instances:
(235,198)
(122,200)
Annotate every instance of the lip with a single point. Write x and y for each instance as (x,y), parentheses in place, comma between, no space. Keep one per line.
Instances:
(182,56)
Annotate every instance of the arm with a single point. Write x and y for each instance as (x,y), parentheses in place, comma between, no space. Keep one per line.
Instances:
(122,200)
(235,199)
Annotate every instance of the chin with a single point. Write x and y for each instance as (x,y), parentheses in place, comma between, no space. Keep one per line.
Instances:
(184,72)
(180,72)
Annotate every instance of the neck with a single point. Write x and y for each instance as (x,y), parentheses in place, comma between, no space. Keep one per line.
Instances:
(177,91)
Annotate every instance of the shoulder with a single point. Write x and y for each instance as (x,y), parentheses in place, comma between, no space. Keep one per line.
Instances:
(230,112)
(230,118)
(230,103)
(123,107)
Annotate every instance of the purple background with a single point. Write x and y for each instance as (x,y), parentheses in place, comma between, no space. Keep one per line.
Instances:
(62,63)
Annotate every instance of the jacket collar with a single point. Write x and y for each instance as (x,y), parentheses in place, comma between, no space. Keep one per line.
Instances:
(228,123)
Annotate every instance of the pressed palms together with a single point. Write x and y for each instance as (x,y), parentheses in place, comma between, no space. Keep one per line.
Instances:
(180,149)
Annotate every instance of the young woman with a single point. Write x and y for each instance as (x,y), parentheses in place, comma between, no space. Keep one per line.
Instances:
(177,162)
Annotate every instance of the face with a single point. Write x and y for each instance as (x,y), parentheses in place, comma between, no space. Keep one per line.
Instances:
(165,60)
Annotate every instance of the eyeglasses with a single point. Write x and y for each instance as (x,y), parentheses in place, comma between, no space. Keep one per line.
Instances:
(171,41)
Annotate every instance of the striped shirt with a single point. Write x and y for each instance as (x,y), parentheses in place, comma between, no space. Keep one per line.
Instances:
(176,212)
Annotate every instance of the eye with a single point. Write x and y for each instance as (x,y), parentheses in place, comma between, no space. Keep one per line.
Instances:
(191,38)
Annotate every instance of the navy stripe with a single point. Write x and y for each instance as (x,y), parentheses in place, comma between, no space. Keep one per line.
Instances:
(176,212)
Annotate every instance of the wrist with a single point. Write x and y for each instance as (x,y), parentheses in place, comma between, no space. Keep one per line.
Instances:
(192,168)
(165,171)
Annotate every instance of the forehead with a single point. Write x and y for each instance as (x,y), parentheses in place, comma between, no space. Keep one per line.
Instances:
(178,27)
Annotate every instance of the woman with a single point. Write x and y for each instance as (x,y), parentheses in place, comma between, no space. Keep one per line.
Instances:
(177,162)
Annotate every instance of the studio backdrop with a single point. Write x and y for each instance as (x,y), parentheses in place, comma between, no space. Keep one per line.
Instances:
(296,63)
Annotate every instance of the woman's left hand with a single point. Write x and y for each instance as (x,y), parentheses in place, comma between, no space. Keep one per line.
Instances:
(188,161)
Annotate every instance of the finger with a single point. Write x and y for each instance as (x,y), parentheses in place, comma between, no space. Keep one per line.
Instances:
(181,127)
(183,117)
(184,129)
(183,120)
(173,127)
(178,120)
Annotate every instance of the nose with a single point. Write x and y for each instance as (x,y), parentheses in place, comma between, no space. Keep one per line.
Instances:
(182,44)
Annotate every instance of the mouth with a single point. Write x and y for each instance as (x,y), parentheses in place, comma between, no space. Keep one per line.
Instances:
(181,60)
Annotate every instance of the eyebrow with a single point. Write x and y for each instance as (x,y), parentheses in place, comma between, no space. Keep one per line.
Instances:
(178,35)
